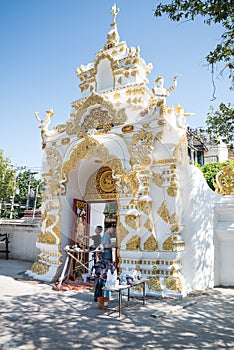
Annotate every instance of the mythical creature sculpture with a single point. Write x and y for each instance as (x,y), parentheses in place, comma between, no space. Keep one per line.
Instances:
(44,124)
(161,93)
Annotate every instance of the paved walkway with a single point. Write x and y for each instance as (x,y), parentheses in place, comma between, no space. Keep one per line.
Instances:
(34,316)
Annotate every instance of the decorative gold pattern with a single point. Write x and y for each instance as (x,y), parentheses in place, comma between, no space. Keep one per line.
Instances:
(65,141)
(122,232)
(141,147)
(172,189)
(149,225)
(133,221)
(46,237)
(174,223)
(169,244)
(105,184)
(173,283)
(163,211)
(151,244)
(145,206)
(157,179)
(134,244)
(40,268)
(127,128)
(154,284)
(225,181)
(107,110)
(88,149)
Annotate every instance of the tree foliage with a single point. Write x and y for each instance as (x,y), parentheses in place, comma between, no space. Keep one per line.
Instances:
(210,171)
(14,189)
(221,123)
(28,187)
(219,12)
(213,11)
(7,178)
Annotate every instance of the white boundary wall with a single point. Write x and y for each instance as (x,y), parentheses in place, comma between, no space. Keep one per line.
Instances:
(224,242)
(23,237)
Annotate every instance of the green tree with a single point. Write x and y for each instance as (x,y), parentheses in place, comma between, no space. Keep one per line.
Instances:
(221,123)
(210,171)
(7,182)
(218,12)
(28,187)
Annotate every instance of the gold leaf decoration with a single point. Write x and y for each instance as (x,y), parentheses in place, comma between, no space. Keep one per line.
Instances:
(149,225)
(46,237)
(145,206)
(133,221)
(173,283)
(134,244)
(163,211)
(157,179)
(40,268)
(172,189)
(151,244)
(225,181)
(174,222)
(122,232)
(154,284)
(168,244)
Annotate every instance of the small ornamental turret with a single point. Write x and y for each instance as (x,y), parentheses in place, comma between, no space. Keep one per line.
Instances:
(113,36)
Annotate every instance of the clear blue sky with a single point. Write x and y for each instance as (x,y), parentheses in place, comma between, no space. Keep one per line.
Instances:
(43,42)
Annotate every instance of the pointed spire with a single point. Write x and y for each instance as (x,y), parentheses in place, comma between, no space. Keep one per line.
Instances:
(114,12)
(113,36)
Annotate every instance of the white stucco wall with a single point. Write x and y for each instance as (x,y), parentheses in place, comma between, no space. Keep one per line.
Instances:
(23,237)
(198,215)
(224,242)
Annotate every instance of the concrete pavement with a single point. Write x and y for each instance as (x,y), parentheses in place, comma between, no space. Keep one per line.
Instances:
(34,316)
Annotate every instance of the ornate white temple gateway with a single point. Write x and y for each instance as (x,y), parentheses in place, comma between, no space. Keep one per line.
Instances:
(124,144)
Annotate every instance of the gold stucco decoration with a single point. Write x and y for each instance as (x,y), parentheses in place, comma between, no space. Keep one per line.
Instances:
(174,222)
(151,244)
(127,129)
(172,189)
(133,221)
(89,149)
(96,119)
(91,191)
(168,244)
(122,232)
(46,237)
(105,184)
(149,225)
(134,244)
(224,183)
(65,141)
(40,268)
(145,206)
(173,283)
(163,211)
(154,284)
(128,183)
(109,114)
(141,146)
(157,179)
(171,244)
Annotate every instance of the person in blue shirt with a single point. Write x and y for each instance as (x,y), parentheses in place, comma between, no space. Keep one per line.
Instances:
(106,242)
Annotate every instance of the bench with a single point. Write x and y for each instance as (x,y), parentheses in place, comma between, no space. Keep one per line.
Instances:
(120,288)
(4,240)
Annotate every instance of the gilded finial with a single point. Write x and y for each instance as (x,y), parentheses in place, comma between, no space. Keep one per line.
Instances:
(114,12)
